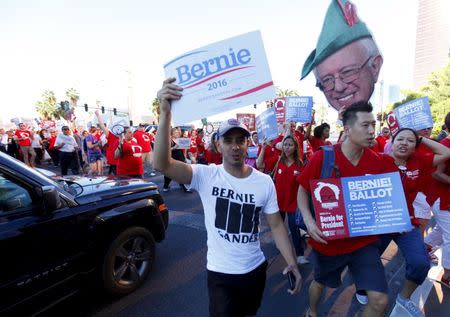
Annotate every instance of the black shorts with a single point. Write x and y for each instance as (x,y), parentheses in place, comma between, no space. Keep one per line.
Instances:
(364,265)
(236,295)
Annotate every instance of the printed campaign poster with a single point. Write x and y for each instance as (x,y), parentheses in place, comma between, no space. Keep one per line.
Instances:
(266,125)
(299,109)
(219,77)
(415,114)
(249,119)
(183,143)
(279,106)
(360,206)
(392,123)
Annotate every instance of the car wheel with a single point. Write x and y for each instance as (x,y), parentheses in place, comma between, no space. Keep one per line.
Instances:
(128,261)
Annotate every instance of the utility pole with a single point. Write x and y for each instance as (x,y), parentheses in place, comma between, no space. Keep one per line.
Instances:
(381,101)
(130,95)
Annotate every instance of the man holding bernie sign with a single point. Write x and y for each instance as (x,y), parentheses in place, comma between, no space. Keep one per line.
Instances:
(351,160)
(222,76)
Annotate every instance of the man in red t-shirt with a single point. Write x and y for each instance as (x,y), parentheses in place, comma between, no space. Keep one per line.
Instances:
(24,138)
(192,152)
(359,254)
(201,159)
(382,139)
(145,140)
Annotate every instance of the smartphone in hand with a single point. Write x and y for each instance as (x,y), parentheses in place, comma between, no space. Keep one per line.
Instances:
(291,279)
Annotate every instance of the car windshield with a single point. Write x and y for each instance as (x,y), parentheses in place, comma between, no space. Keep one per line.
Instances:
(46,177)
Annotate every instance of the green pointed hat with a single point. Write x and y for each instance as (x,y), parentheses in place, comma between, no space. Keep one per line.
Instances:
(340,28)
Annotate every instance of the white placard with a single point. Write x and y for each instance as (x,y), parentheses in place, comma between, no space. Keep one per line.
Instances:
(220,77)
(183,143)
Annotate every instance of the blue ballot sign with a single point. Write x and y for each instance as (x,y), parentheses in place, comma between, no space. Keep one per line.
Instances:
(360,206)
(252,152)
(415,114)
(299,109)
(375,204)
(266,125)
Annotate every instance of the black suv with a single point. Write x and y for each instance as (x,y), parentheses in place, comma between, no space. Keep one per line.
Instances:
(53,234)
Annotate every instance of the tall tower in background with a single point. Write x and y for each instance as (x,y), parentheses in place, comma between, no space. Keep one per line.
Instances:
(432,39)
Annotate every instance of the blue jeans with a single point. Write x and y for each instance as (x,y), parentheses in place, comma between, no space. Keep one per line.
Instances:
(414,251)
(295,232)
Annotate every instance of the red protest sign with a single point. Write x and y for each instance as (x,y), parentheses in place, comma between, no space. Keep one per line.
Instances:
(392,122)
(249,119)
(329,208)
(280,110)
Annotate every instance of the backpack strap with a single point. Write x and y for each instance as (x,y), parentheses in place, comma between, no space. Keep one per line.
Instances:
(328,164)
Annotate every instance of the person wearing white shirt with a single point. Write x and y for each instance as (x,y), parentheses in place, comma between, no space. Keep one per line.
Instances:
(66,145)
(234,196)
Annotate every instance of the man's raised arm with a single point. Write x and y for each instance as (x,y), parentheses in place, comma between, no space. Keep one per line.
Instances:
(101,123)
(178,171)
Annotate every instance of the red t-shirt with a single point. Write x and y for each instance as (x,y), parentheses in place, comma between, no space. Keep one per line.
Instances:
(213,158)
(369,163)
(144,140)
(98,135)
(51,143)
(193,147)
(286,185)
(439,189)
(381,142)
(417,166)
(130,163)
(271,157)
(25,135)
(113,142)
(200,146)
(300,137)
(427,178)
(316,143)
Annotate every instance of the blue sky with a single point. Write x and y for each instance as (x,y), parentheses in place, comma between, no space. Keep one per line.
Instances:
(90,45)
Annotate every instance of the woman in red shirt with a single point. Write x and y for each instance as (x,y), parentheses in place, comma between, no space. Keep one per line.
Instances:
(129,155)
(285,172)
(413,166)
(212,155)
(440,202)
(321,134)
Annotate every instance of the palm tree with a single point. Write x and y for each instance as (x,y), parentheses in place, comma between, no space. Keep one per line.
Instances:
(281,93)
(155,108)
(47,107)
(73,95)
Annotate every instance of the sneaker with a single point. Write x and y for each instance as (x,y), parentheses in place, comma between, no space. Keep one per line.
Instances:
(361,297)
(302,260)
(409,307)
(434,260)
(446,281)
(166,189)
(152,174)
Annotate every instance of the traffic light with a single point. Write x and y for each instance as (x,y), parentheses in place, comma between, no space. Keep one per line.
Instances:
(103,109)
(115,111)
(379,116)
(86,107)
(131,123)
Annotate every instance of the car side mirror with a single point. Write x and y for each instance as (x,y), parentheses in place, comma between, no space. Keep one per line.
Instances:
(51,200)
